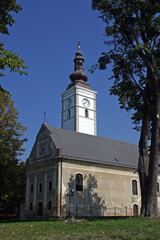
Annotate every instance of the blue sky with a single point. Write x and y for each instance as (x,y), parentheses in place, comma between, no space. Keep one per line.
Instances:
(45,35)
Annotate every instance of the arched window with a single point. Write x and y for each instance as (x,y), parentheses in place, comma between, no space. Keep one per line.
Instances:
(31,206)
(31,188)
(79,182)
(50,185)
(86,113)
(40,187)
(134,187)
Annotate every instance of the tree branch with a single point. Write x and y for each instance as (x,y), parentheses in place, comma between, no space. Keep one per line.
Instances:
(141,91)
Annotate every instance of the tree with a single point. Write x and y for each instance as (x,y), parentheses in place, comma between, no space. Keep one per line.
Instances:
(14,194)
(133,28)
(11,147)
(8,59)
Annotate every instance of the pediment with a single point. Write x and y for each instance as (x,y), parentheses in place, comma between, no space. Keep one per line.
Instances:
(43,149)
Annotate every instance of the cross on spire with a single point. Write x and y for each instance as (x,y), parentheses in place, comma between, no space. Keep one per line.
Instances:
(78,44)
(44,116)
(78,75)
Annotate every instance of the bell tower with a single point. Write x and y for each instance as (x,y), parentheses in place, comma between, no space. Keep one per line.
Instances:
(79,101)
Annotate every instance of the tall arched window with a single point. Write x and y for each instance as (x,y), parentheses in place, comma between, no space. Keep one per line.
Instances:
(31,188)
(134,187)
(79,182)
(50,185)
(40,187)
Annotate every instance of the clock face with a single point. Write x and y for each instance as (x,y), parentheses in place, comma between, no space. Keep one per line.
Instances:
(68,102)
(85,102)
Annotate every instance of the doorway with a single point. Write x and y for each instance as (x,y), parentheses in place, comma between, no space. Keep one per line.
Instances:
(135,210)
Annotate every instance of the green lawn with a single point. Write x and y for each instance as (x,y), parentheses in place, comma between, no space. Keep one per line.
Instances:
(129,228)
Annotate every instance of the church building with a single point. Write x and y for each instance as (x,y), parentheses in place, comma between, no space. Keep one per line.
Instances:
(73,172)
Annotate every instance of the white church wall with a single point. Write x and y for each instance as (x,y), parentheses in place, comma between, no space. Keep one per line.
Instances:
(86,125)
(66,116)
(103,187)
(90,113)
(69,124)
(86,92)
(76,109)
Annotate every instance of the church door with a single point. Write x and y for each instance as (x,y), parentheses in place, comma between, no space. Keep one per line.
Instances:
(40,209)
(135,210)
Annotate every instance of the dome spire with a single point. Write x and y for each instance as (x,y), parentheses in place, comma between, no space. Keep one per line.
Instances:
(78,74)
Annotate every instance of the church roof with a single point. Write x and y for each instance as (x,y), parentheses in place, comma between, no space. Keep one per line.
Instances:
(84,147)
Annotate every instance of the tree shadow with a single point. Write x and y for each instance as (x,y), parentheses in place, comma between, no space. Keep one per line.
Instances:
(85,202)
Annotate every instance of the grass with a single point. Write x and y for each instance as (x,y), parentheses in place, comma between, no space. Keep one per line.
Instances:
(128,228)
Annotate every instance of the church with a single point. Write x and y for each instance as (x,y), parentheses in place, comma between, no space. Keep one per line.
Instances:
(73,172)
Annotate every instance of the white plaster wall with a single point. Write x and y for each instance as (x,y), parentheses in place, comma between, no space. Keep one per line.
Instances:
(86,92)
(65,114)
(82,113)
(91,114)
(69,124)
(86,125)
(77,119)
(110,185)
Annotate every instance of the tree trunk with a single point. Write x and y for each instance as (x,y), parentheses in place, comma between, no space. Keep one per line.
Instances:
(151,207)
(143,163)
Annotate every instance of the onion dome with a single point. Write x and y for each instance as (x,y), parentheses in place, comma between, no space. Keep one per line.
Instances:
(78,74)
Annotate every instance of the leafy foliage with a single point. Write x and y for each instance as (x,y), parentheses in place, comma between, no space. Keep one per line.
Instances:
(8,59)
(133,29)
(11,146)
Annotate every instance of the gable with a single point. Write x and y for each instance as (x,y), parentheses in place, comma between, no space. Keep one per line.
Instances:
(43,149)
